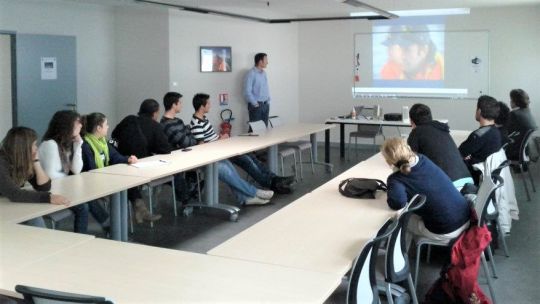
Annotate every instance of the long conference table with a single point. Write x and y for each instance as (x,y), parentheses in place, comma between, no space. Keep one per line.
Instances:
(298,254)
(131,273)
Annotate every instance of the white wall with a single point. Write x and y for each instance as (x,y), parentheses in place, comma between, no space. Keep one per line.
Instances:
(5,84)
(326,65)
(142,56)
(94,28)
(189,31)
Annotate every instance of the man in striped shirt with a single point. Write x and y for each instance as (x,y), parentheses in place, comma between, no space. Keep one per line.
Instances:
(203,132)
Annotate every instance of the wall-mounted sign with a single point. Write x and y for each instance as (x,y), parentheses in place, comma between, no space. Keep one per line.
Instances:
(48,68)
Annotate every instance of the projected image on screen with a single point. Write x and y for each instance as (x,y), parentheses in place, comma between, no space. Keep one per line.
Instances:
(408,52)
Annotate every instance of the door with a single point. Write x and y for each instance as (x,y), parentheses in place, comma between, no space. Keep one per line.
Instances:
(5,84)
(46,78)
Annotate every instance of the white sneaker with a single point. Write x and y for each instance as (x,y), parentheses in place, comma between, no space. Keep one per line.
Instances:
(256,201)
(264,194)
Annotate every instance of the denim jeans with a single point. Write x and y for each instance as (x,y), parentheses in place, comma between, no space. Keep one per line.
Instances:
(80,225)
(228,174)
(81,211)
(36,222)
(260,173)
(259,113)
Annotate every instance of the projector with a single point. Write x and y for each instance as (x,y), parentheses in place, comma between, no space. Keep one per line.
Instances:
(393,117)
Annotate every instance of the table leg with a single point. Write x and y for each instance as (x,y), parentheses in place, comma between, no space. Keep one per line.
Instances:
(211,193)
(124,215)
(342,140)
(327,146)
(116,219)
(272,153)
(315,154)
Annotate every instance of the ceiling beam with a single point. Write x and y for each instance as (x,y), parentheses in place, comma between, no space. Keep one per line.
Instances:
(265,20)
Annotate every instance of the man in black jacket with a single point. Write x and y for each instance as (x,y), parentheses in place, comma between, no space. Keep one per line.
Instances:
(432,138)
(143,136)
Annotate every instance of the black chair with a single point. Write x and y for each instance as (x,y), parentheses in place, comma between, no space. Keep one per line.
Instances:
(523,162)
(362,282)
(38,295)
(396,259)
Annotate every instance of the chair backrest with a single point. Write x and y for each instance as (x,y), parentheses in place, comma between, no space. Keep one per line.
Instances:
(362,283)
(523,157)
(39,295)
(485,195)
(257,126)
(492,210)
(275,121)
(511,139)
(396,258)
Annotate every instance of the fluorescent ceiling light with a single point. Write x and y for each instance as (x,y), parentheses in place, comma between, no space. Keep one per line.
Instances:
(426,12)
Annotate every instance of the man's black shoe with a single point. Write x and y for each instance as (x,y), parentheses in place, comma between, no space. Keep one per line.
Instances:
(282,189)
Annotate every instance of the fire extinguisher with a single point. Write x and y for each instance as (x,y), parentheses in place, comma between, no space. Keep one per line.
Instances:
(226,118)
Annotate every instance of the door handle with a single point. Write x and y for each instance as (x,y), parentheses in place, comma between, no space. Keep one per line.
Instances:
(72,106)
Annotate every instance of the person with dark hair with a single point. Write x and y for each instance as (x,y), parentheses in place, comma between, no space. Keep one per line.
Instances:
(203,132)
(485,140)
(446,213)
(96,150)
(502,120)
(256,90)
(98,153)
(180,137)
(520,120)
(20,163)
(61,155)
(142,136)
(432,139)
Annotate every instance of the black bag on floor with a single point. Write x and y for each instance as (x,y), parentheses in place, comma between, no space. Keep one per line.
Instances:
(361,187)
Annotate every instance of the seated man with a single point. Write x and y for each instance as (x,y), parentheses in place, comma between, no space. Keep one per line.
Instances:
(203,132)
(485,140)
(432,138)
(143,136)
(179,136)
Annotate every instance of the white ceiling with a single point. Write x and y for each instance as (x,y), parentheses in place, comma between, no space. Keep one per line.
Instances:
(275,9)
(319,8)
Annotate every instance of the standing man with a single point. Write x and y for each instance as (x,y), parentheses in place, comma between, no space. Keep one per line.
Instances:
(256,90)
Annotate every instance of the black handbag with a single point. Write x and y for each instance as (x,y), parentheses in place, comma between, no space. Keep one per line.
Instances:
(361,187)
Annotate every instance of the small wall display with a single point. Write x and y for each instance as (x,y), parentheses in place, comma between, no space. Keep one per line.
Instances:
(216,59)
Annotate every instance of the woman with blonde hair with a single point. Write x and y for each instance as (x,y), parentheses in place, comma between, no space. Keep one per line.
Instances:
(445,214)
(19,163)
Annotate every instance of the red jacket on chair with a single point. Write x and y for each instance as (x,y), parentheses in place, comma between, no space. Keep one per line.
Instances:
(462,275)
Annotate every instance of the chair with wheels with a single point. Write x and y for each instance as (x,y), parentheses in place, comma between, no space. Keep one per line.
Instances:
(39,295)
(362,286)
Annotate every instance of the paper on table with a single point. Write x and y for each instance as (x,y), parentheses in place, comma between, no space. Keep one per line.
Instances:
(150,163)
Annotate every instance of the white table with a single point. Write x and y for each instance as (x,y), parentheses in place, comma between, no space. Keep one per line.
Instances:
(209,154)
(131,273)
(322,231)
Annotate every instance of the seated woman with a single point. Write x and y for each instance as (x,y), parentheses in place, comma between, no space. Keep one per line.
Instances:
(96,151)
(520,120)
(61,155)
(19,163)
(445,214)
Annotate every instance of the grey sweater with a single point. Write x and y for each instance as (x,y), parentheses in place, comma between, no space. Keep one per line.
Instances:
(14,192)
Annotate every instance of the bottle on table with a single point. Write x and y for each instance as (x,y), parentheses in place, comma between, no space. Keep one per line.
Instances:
(353,113)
